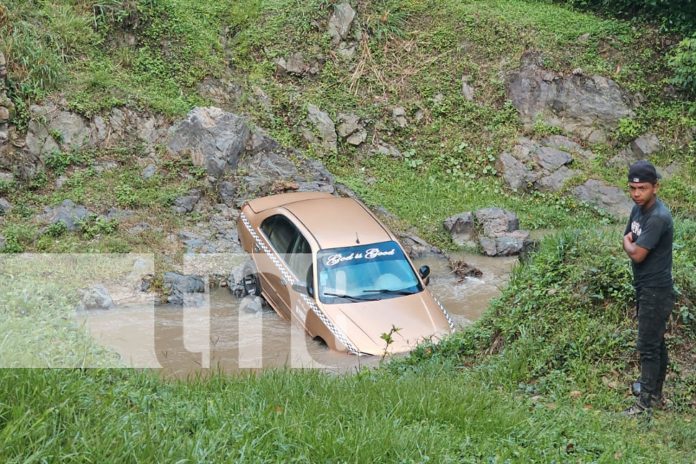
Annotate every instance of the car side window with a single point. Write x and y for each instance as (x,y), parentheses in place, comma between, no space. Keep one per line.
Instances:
(300,257)
(289,243)
(280,232)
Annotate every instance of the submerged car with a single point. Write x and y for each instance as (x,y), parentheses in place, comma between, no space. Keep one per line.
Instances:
(328,264)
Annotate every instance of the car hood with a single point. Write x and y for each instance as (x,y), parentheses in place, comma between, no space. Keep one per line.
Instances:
(417,318)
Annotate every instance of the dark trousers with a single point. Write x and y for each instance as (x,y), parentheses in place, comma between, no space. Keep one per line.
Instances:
(654,307)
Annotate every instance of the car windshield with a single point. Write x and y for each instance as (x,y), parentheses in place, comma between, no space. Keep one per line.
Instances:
(365,273)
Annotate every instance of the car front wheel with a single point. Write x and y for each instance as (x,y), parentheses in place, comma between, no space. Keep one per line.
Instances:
(250,280)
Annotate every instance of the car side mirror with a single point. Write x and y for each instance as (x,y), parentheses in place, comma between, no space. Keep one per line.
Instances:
(424,272)
(300,288)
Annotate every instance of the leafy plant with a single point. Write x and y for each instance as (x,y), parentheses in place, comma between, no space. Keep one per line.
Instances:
(92,226)
(628,129)
(682,61)
(56,229)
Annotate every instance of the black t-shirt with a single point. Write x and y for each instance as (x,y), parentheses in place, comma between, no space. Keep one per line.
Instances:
(653,230)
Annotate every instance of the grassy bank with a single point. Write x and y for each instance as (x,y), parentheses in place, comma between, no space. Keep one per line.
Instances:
(428,416)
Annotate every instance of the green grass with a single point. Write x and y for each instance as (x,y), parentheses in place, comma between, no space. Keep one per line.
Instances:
(285,416)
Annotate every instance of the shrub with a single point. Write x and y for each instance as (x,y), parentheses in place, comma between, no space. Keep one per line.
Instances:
(683,64)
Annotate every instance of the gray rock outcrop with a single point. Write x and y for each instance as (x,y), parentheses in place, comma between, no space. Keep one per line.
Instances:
(179,288)
(67,212)
(496,230)
(604,196)
(323,127)
(539,165)
(587,106)
(462,228)
(186,203)
(350,129)
(214,139)
(340,22)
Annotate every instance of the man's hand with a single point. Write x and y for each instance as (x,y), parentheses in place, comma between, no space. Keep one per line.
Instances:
(635,252)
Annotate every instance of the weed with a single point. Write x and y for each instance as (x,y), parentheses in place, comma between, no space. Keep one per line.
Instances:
(93,226)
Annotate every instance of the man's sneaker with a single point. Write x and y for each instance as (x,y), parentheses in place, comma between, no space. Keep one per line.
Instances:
(637,410)
(658,402)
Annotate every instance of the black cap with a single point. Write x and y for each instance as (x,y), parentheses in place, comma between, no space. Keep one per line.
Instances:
(642,171)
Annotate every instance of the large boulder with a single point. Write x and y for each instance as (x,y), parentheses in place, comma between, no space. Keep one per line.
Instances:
(588,106)
(178,287)
(96,297)
(604,196)
(214,138)
(461,228)
(67,212)
(539,165)
(53,129)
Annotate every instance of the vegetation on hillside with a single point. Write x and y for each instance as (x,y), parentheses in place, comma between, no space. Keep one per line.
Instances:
(539,378)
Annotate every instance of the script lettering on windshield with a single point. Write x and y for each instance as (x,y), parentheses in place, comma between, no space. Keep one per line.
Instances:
(370,253)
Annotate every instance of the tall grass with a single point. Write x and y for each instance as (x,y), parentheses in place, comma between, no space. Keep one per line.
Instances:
(431,416)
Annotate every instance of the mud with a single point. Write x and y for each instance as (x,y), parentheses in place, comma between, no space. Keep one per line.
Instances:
(221,336)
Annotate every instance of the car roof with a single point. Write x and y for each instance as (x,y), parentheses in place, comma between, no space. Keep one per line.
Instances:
(258,205)
(338,222)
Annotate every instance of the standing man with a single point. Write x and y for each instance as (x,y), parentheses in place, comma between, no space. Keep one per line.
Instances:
(648,242)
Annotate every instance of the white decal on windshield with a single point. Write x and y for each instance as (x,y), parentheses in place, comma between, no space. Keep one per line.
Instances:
(369,254)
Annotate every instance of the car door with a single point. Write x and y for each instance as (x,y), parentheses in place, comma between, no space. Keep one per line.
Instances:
(281,235)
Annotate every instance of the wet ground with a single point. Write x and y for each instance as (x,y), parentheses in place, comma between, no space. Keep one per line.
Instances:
(222,336)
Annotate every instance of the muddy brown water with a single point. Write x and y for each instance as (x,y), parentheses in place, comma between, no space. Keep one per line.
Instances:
(221,336)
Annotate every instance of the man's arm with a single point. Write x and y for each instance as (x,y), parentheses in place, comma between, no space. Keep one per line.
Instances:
(635,252)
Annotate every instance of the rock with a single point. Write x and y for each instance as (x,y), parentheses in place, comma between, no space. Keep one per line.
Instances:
(67,212)
(348,124)
(4,114)
(551,159)
(555,181)
(461,228)
(416,247)
(604,196)
(561,142)
(515,173)
(3,241)
(346,51)
(294,65)
(149,171)
(227,192)
(350,129)
(340,22)
(105,166)
(178,287)
(186,203)
(584,38)
(645,145)
(496,221)
(260,142)
(467,90)
(399,117)
(5,206)
(325,128)
(215,139)
(139,228)
(315,187)
(251,304)
(386,149)
(506,244)
(52,129)
(588,106)
(357,138)
(96,297)
(623,159)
